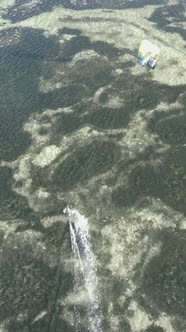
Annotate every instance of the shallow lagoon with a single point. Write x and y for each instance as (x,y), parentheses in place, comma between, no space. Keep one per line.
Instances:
(82,122)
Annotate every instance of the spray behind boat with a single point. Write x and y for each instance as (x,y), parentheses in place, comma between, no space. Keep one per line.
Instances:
(85,272)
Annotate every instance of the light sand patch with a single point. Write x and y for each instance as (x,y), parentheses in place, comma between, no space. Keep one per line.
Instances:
(137,138)
(40,316)
(48,222)
(47,156)
(164,322)
(6,3)
(140,320)
(77,298)
(123,242)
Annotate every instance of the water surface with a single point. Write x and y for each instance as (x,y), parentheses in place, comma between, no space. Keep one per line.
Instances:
(82,123)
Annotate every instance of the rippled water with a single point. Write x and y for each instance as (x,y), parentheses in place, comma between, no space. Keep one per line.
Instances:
(82,123)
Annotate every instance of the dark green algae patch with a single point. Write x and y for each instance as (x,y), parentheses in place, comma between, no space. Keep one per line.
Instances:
(166,181)
(32,282)
(164,277)
(22,57)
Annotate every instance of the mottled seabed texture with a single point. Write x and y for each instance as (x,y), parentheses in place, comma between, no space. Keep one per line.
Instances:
(81,121)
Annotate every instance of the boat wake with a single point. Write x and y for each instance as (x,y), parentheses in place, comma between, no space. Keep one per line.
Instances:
(84,273)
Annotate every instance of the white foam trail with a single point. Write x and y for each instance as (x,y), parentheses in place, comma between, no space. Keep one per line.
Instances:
(85,270)
(77,266)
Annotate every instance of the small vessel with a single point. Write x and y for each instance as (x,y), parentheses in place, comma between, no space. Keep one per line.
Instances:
(72,215)
(148,54)
(67,210)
